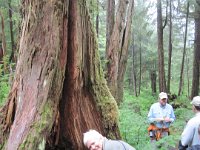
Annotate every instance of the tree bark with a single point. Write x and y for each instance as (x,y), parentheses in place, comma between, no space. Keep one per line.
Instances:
(110,20)
(161,67)
(59,91)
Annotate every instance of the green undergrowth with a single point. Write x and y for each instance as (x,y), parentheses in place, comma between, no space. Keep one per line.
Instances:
(134,124)
(4,86)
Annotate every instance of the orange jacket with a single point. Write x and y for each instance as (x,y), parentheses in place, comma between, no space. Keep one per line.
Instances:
(157,131)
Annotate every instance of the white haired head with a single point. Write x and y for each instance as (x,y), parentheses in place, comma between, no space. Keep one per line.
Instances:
(91,134)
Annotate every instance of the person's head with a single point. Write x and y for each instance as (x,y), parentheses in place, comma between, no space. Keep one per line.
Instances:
(163,98)
(93,140)
(196,103)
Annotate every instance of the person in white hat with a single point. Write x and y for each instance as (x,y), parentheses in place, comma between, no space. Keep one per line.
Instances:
(93,140)
(160,116)
(190,137)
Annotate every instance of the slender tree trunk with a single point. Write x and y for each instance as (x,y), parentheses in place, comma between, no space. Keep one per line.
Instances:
(161,67)
(133,69)
(140,74)
(170,46)
(153,81)
(59,91)
(123,55)
(3,40)
(12,56)
(1,53)
(184,51)
(2,34)
(196,62)
(188,78)
(97,19)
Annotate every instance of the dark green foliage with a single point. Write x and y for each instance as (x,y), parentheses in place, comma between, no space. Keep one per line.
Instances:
(5,72)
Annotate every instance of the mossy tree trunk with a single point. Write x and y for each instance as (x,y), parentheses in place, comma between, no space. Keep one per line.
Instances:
(59,91)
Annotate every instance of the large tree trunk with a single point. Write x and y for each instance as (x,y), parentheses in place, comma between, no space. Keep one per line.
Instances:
(59,91)
(196,62)
(161,67)
(115,49)
(123,55)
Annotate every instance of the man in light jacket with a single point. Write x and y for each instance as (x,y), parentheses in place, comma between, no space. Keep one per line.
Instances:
(190,138)
(160,117)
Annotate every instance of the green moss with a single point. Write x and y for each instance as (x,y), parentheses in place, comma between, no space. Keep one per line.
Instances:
(35,138)
(2,146)
(105,101)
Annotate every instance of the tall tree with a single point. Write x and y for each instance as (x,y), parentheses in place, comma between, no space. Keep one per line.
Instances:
(116,53)
(123,53)
(170,46)
(161,67)
(140,71)
(196,62)
(112,50)
(12,56)
(184,51)
(2,42)
(133,70)
(59,91)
